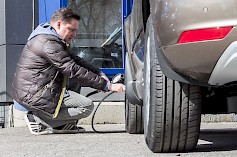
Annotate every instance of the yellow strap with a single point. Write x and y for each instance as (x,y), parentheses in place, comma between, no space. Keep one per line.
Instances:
(61,98)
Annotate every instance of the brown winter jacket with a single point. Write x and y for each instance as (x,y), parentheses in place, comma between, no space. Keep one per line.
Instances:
(45,59)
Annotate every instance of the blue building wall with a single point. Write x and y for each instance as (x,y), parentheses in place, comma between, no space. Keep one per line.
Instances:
(48,7)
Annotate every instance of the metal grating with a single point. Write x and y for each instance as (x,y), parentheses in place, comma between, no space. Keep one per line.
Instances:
(6,115)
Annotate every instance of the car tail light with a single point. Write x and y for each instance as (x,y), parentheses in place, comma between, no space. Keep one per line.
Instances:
(204,34)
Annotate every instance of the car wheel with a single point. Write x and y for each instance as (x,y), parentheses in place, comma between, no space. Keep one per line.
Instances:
(133,118)
(172,110)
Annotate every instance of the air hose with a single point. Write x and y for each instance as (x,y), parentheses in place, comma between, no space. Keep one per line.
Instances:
(93,116)
(116,79)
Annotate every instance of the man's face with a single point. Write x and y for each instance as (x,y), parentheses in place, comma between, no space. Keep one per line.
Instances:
(67,30)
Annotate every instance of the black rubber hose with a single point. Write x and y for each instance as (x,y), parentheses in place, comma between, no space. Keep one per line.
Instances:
(93,116)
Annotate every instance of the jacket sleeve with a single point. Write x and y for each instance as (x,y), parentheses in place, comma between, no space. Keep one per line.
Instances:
(82,62)
(55,53)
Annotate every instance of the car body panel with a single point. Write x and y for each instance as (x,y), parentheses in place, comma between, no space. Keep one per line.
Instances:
(134,38)
(195,59)
(134,30)
(171,18)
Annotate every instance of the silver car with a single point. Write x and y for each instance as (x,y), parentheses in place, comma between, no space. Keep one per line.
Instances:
(181,62)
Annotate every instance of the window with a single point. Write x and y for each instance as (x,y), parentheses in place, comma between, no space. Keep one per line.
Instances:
(99,37)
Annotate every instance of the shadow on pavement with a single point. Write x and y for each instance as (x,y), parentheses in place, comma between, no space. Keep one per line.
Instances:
(217,140)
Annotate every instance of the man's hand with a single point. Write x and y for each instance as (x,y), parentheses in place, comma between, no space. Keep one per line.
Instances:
(117,87)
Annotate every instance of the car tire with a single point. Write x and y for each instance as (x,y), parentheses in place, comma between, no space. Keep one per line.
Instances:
(172,110)
(133,118)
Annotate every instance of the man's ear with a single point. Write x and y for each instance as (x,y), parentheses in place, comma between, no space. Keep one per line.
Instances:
(58,24)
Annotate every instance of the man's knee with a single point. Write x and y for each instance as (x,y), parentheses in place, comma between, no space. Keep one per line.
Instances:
(89,108)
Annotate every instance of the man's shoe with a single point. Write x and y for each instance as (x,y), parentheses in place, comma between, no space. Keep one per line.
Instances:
(35,127)
(68,129)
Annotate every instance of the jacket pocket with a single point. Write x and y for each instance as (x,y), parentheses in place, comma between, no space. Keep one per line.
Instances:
(39,94)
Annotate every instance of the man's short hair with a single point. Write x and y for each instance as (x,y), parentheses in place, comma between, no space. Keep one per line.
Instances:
(64,14)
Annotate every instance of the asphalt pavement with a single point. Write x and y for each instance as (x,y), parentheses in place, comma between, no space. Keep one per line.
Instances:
(216,140)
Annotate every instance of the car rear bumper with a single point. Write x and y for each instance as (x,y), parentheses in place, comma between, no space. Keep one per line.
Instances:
(197,60)
(225,70)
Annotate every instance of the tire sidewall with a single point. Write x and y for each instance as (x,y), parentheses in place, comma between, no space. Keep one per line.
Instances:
(147,84)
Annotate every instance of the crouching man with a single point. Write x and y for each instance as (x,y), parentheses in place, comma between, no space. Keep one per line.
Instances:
(41,76)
